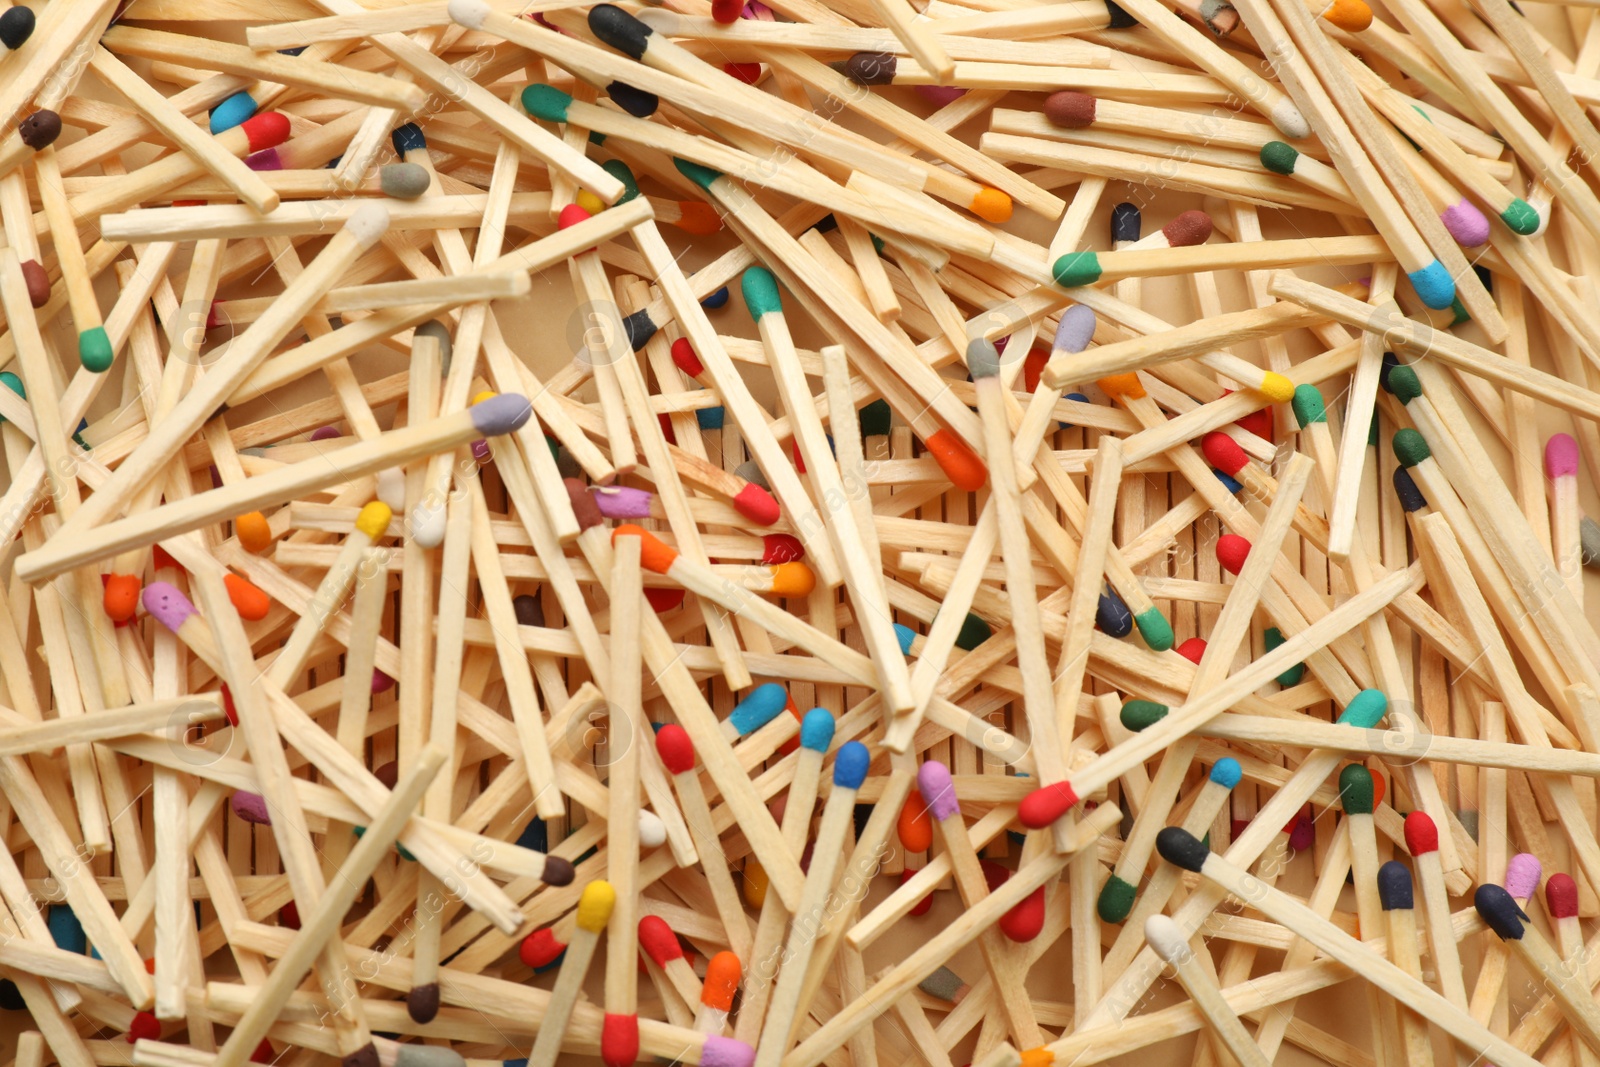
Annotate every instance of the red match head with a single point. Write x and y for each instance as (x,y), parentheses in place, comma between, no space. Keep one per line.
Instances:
(1421,835)
(1189,228)
(1561,894)
(675,749)
(266,130)
(1193,650)
(684,357)
(540,948)
(658,940)
(1223,452)
(1232,551)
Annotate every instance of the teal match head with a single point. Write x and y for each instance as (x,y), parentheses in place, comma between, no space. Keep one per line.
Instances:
(1521,217)
(1434,285)
(983,359)
(94,350)
(1402,381)
(1076,269)
(1308,405)
(816,730)
(906,636)
(1226,772)
(701,176)
(1278,157)
(546,102)
(1355,790)
(760,291)
(1140,715)
(1154,628)
(759,707)
(850,765)
(1366,709)
(1116,899)
(1410,448)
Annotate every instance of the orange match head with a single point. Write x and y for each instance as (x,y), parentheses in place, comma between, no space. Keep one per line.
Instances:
(698,218)
(722,981)
(958,461)
(251,603)
(1119,385)
(793,579)
(1352,16)
(121,596)
(654,555)
(255,536)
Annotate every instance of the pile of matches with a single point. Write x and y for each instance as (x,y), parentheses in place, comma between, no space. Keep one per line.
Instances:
(432,558)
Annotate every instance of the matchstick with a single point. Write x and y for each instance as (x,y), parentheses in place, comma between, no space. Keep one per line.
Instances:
(594,912)
(1168,941)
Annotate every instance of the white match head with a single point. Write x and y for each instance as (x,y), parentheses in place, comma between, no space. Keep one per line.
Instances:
(1288,119)
(392,488)
(1166,937)
(652,831)
(368,223)
(427,524)
(469,13)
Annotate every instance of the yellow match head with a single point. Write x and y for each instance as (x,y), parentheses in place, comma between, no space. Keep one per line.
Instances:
(374,519)
(594,907)
(485,395)
(1276,387)
(589,202)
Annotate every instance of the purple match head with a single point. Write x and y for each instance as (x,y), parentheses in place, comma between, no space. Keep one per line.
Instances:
(1466,224)
(381,682)
(938,792)
(501,414)
(251,807)
(726,1052)
(325,433)
(167,605)
(1523,874)
(1560,456)
(622,502)
(266,159)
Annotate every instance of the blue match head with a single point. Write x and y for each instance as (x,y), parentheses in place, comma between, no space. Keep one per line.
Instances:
(906,636)
(232,111)
(500,414)
(1366,709)
(850,765)
(1394,886)
(1434,285)
(1076,329)
(816,730)
(759,707)
(1226,772)
(1126,223)
(1228,483)
(716,300)
(407,138)
(66,930)
(711,418)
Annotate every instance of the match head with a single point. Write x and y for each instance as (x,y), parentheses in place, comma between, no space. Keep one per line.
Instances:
(1356,790)
(1422,836)
(469,13)
(501,414)
(1394,886)
(1523,872)
(983,359)
(427,523)
(1140,715)
(1232,551)
(636,102)
(1522,217)
(422,1002)
(1226,772)
(16,26)
(619,29)
(251,807)
(546,102)
(1366,709)
(1046,804)
(40,129)
(404,181)
(722,981)
(1352,16)
(757,505)
(94,350)
(958,461)
(1112,616)
(1076,269)
(654,555)
(1193,650)
(266,131)
(1166,937)
(594,906)
(658,940)
(251,603)
(1126,223)
(1434,285)
(622,502)
(1403,382)
(1308,406)
(652,831)
(1181,848)
(938,792)
(816,730)
(373,519)
(991,205)
(1410,448)
(1589,541)
(1155,629)
(571,215)
(759,707)
(675,749)
(619,1040)
(557,871)
(231,112)
(1499,911)
(792,580)
(1069,109)
(1189,228)
(1279,158)
(167,605)
(726,1052)
(1561,456)
(1465,223)
(685,359)
(1223,452)
(850,765)
(1405,487)
(1116,899)
(760,291)
(1561,895)
(38,282)
(584,506)
(1022,923)
(870,68)
(781,548)
(1075,330)
(906,636)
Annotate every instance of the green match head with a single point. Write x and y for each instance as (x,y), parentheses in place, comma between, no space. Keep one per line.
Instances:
(1075,269)
(974,632)
(1402,381)
(1278,157)
(1272,639)
(1138,715)
(1409,448)
(701,176)
(1155,629)
(760,291)
(1308,405)
(1116,900)
(1521,217)
(619,170)
(875,419)
(94,350)
(1355,790)
(546,102)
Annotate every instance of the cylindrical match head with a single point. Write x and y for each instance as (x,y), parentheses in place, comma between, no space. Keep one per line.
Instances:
(1422,836)
(1126,223)
(619,1040)
(1356,790)
(850,765)
(759,707)
(722,981)
(654,554)
(167,605)
(594,906)
(1561,456)
(1070,109)
(726,1052)
(675,749)
(1561,895)
(1394,886)
(1499,911)
(816,730)
(1523,873)
(1166,937)
(938,792)
(619,29)
(1181,848)
(501,414)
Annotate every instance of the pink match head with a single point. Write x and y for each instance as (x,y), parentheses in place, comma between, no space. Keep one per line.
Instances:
(933,782)
(1523,874)
(1223,452)
(675,749)
(619,1040)
(658,940)
(1561,894)
(726,1052)
(1421,835)
(1189,228)
(1561,456)
(757,505)
(1466,224)
(251,807)
(621,502)
(169,606)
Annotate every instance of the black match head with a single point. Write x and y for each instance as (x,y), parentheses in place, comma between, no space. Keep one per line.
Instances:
(365,1056)
(16,26)
(1126,223)
(1405,487)
(40,129)
(1181,848)
(619,29)
(1117,18)
(640,328)
(1394,886)
(557,871)
(1499,911)
(636,102)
